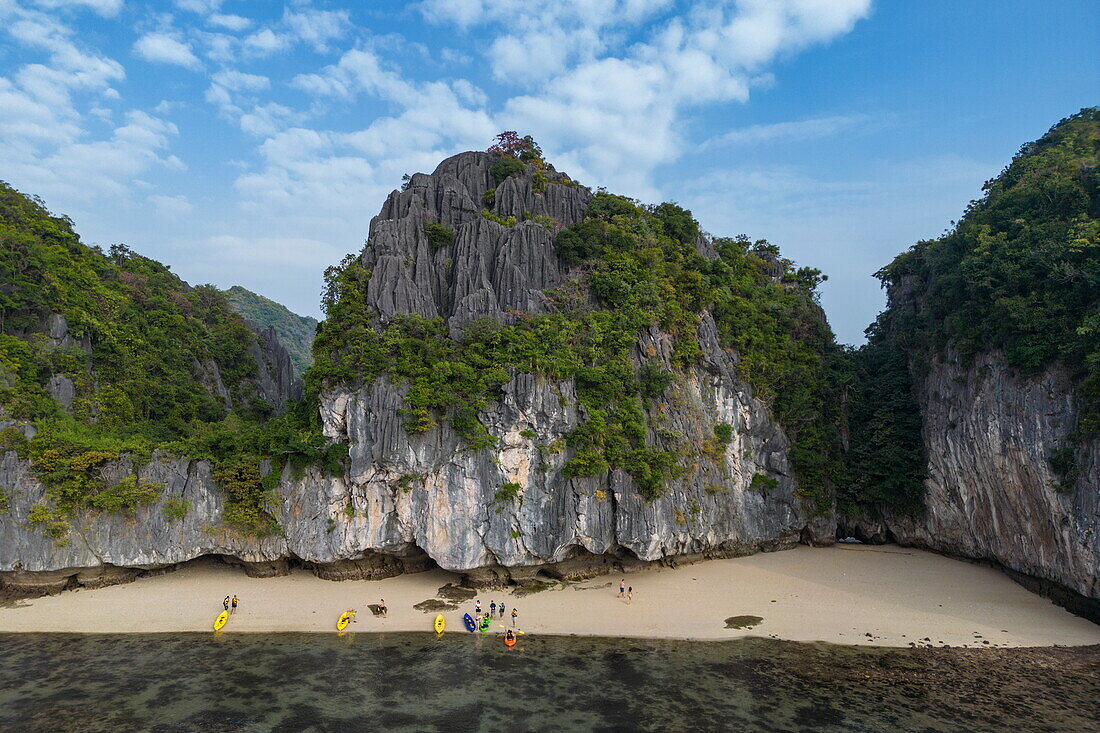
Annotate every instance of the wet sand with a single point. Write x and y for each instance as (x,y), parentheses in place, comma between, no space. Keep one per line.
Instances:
(848,594)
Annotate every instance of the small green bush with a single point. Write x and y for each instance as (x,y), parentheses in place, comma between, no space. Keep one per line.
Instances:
(539,182)
(506,167)
(546,222)
(508,221)
(12,438)
(248,494)
(128,494)
(760,482)
(509,491)
(489,197)
(439,235)
(724,433)
(654,380)
(57,528)
(175,508)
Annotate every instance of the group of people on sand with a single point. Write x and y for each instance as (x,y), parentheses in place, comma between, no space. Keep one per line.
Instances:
(625,592)
(382,611)
(494,609)
(230,604)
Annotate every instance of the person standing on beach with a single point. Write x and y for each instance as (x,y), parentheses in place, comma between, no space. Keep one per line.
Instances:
(225,603)
(502,610)
(477,606)
(382,607)
(514,614)
(492,609)
(630,594)
(234,605)
(622,587)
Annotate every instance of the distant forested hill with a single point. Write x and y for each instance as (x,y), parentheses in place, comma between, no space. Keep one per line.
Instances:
(295,332)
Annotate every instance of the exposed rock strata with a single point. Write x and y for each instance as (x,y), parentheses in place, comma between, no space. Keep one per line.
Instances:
(991,493)
(407,502)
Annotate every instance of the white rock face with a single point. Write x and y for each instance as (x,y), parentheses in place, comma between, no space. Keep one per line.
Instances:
(991,492)
(406,500)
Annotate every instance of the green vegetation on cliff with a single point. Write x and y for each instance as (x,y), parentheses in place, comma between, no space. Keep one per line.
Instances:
(1020,273)
(140,345)
(295,332)
(144,362)
(643,268)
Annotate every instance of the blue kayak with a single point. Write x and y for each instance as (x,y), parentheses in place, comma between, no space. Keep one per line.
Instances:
(469,621)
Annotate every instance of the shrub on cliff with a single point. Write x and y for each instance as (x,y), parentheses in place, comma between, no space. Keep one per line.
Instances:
(439,235)
(505,168)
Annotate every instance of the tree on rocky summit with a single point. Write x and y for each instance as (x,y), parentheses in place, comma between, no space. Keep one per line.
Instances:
(508,143)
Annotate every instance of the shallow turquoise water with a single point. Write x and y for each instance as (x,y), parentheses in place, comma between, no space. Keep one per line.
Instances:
(415,682)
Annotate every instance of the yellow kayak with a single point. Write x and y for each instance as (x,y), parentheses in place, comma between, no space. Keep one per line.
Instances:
(345,619)
(219,622)
(440,624)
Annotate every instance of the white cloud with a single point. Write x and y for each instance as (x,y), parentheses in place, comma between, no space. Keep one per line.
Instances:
(452,57)
(80,172)
(219,47)
(268,119)
(240,81)
(590,13)
(106,8)
(539,39)
(357,71)
(265,42)
(712,54)
(234,91)
(317,27)
(166,49)
(230,22)
(332,172)
(171,207)
(203,7)
(52,148)
(37,106)
(817,127)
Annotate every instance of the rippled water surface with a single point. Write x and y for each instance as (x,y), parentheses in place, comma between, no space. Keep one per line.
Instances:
(414,682)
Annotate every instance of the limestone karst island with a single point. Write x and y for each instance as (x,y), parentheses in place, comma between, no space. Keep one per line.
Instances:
(557,446)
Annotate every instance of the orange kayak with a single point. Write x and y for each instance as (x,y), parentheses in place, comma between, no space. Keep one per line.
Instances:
(509,642)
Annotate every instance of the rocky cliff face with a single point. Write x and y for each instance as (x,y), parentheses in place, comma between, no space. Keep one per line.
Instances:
(405,500)
(991,492)
(277,380)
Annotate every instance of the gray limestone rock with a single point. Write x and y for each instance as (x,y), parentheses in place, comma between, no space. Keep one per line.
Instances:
(62,389)
(991,492)
(407,502)
(276,380)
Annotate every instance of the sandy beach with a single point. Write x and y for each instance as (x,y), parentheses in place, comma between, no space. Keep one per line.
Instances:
(848,594)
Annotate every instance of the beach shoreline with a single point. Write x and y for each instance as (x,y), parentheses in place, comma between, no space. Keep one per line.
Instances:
(848,594)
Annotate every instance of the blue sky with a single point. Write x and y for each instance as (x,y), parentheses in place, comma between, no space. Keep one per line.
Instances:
(251,142)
